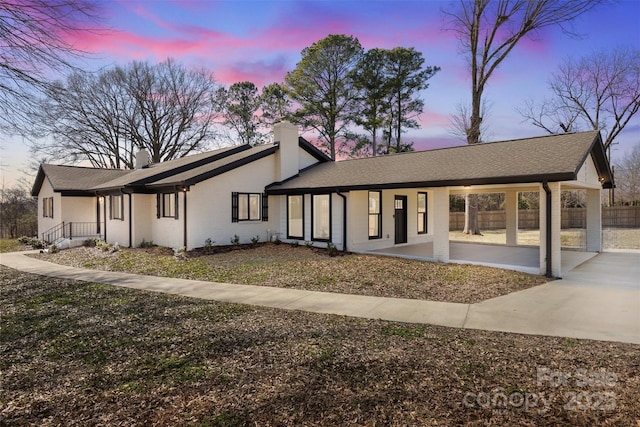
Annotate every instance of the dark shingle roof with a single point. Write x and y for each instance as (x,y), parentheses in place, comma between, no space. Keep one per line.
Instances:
(74,179)
(159,171)
(551,158)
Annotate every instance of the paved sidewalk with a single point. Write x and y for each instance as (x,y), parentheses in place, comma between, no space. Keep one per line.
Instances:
(600,306)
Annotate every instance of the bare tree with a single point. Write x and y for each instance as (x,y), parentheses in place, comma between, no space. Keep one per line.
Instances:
(105,117)
(628,177)
(175,112)
(35,43)
(17,213)
(598,91)
(488,30)
(88,118)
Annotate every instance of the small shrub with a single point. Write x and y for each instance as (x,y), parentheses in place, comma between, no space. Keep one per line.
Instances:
(332,250)
(295,243)
(180,253)
(103,246)
(235,240)
(255,240)
(53,249)
(34,242)
(145,244)
(208,244)
(90,243)
(308,244)
(277,240)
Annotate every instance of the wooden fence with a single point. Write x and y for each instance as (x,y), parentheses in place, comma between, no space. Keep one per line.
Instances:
(614,216)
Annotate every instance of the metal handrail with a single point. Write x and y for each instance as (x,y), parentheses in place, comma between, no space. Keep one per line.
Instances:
(69,230)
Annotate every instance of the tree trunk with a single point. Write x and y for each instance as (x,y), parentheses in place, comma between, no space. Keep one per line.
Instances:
(471,225)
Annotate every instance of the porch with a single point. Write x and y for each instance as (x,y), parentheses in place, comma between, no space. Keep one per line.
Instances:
(518,258)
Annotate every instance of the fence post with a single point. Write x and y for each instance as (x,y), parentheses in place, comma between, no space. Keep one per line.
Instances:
(71,231)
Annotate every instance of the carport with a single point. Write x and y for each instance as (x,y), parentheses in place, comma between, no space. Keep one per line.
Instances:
(520,258)
(399,204)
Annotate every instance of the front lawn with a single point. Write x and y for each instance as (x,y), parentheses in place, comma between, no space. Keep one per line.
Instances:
(312,269)
(74,353)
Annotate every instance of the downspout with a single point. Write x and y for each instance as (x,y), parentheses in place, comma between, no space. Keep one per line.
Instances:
(184,242)
(130,219)
(344,220)
(104,215)
(547,191)
(183,190)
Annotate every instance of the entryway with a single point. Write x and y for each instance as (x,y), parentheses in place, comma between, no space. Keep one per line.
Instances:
(400,215)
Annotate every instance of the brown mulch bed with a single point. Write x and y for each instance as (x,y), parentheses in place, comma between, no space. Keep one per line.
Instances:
(307,268)
(74,353)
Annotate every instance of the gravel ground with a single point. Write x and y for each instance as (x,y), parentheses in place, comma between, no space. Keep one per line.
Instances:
(312,269)
(81,354)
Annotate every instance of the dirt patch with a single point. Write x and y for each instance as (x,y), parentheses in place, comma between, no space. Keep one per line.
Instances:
(76,353)
(313,269)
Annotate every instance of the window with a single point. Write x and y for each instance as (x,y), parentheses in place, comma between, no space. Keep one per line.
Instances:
(170,205)
(117,209)
(249,207)
(47,207)
(295,217)
(321,219)
(375,215)
(422,213)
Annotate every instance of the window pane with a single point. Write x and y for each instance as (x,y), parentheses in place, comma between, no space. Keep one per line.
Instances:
(421,222)
(321,217)
(243,207)
(374,225)
(169,204)
(254,206)
(116,207)
(422,202)
(295,217)
(374,202)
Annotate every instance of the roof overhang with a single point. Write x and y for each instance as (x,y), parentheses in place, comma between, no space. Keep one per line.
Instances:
(528,179)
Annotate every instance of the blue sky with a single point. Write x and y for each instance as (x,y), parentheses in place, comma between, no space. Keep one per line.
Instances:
(260,41)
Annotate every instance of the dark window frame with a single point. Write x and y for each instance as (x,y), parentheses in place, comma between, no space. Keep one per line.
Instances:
(378,215)
(313,237)
(47,207)
(235,207)
(168,197)
(289,235)
(425,214)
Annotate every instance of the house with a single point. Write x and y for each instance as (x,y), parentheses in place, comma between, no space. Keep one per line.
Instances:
(292,190)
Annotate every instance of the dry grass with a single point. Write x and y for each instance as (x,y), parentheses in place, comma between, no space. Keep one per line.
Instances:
(312,269)
(79,354)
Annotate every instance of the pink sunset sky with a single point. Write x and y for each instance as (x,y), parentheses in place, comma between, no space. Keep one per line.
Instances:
(260,41)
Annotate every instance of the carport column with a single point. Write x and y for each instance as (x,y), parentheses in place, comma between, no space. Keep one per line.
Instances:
(594,221)
(511,210)
(556,261)
(441,224)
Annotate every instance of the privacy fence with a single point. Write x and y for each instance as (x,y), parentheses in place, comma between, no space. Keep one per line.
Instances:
(614,216)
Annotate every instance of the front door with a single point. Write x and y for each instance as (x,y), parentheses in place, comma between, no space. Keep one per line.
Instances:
(401,219)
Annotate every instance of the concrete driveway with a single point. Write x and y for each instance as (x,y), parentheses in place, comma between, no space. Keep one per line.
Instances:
(600,299)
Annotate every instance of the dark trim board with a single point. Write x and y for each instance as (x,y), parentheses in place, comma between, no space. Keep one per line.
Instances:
(530,179)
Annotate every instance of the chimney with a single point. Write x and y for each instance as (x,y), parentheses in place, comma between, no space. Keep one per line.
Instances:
(285,135)
(143,159)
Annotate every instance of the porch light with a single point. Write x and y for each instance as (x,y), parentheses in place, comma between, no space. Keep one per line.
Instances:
(601,179)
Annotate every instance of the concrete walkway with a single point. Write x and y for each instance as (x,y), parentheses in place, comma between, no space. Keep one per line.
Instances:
(598,300)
